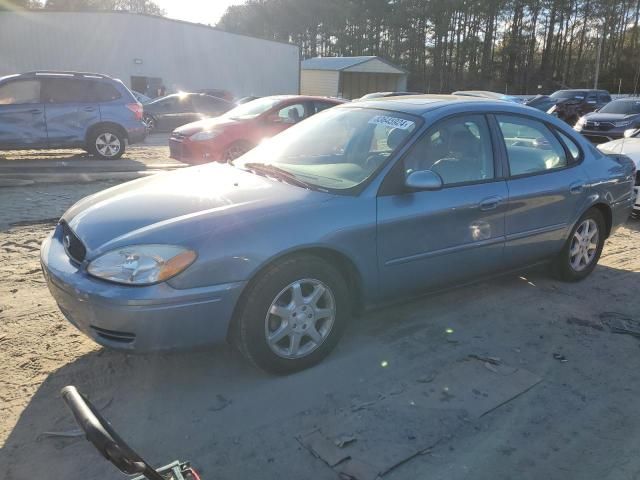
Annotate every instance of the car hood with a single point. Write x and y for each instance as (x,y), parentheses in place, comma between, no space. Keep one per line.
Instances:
(624,146)
(609,117)
(206,124)
(180,203)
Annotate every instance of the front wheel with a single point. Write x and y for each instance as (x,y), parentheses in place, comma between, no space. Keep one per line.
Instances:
(236,150)
(580,254)
(293,315)
(150,123)
(106,143)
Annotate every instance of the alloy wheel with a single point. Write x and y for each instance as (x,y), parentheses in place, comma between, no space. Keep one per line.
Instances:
(108,144)
(300,318)
(584,245)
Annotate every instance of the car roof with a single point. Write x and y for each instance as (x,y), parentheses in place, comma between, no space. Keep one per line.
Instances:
(443,105)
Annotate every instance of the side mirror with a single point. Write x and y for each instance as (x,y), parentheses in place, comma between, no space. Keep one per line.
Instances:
(423,180)
(632,132)
(274,118)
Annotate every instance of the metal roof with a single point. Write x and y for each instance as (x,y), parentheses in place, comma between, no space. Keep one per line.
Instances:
(341,63)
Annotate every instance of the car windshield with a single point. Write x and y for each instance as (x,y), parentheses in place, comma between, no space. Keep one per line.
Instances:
(625,107)
(565,94)
(337,149)
(252,109)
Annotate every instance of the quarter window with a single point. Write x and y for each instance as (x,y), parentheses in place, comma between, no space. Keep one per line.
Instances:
(20,92)
(458,149)
(531,146)
(574,150)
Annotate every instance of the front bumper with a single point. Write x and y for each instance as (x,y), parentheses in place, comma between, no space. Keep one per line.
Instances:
(601,136)
(185,150)
(138,319)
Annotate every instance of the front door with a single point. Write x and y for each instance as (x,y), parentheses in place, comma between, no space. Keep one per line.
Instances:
(428,239)
(546,188)
(22,123)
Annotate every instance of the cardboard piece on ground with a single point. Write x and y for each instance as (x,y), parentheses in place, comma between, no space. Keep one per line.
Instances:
(399,427)
(322,448)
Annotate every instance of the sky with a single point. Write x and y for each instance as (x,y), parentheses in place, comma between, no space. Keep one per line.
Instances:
(199,11)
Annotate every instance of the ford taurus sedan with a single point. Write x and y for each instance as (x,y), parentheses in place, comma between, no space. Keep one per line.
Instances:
(360,205)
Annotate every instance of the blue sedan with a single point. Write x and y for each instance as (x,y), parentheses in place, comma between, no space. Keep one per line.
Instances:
(359,205)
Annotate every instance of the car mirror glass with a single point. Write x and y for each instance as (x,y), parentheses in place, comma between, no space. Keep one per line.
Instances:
(423,180)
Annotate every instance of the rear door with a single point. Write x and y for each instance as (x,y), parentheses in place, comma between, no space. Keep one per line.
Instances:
(547,188)
(69,110)
(429,239)
(22,121)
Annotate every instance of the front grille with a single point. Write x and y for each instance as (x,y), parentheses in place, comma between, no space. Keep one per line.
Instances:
(602,126)
(72,244)
(114,335)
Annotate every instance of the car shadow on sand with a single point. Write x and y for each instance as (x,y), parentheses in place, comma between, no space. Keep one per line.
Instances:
(235,421)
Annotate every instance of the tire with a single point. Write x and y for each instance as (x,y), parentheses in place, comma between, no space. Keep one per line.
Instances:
(235,150)
(150,122)
(303,332)
(106,143)
(576,261)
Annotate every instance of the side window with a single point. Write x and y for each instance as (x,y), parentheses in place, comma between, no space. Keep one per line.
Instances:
(292,113)
(531,146)
(20,92)
(101,92)
(573,148)
(320,106)
(64,90)
(209,105)
(604,98)
(592,97)
(458,149)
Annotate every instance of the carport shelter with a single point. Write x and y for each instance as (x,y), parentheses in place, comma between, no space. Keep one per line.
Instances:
(350,77)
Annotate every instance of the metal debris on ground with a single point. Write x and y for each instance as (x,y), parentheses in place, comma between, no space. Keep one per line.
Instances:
(344,440)
(560,357)
(491,360)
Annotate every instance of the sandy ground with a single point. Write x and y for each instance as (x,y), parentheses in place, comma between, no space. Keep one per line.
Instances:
(393,385)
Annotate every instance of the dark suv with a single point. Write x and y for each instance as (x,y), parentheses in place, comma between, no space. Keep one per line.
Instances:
(68,110)
(569,105)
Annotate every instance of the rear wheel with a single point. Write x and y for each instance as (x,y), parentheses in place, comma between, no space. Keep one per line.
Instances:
(106,143)
(293,315)
(150,122)
(582,251)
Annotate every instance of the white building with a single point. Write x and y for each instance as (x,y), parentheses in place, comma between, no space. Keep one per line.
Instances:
(147,51)
(350,77)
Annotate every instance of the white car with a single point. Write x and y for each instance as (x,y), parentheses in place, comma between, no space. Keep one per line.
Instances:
(629,146)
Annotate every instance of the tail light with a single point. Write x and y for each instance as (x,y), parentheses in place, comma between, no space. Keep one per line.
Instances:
(137,109)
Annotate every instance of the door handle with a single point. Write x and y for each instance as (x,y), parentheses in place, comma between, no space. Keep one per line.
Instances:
(35,111)
(576,188)
(490,203)
(89,109)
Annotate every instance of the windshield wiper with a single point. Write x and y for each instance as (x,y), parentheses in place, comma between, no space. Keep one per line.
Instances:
(280,173)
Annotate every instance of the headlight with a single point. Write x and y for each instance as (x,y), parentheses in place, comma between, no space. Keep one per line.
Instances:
(204,135)
(141,264)
(622,123)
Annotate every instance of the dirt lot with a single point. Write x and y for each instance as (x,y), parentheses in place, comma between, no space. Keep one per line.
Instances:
(410,389)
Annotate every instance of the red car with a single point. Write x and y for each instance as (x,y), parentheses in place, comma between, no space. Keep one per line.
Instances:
(224,138)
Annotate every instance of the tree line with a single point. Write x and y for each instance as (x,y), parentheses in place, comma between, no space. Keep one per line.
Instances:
(512,46)
(136,6)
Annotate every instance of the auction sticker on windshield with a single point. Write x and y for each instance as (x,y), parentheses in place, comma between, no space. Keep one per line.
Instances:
(393,122)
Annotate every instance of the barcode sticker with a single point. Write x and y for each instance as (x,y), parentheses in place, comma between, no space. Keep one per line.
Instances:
(393,122)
